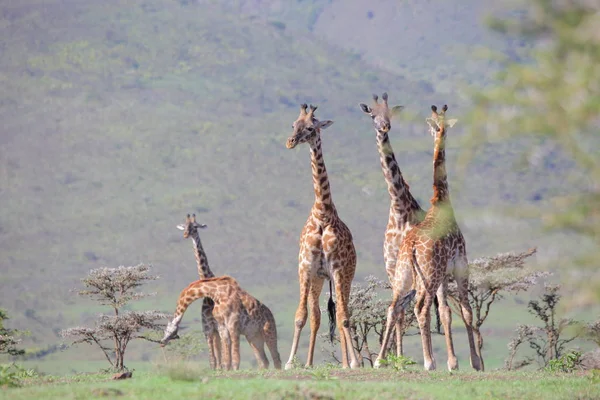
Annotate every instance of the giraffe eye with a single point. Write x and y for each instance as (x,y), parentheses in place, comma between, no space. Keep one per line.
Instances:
(310,129)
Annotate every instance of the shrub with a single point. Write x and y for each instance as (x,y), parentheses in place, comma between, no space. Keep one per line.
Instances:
(115,287)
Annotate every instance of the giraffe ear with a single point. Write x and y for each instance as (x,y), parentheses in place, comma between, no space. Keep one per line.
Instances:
(201,226)
(451,122)
(395,111)
(181,227)
(365,108)
(325,124)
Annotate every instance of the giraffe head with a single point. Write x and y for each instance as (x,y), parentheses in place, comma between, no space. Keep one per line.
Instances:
(191,226)
(380,113)
(307,128)
(171,331)
(438,124)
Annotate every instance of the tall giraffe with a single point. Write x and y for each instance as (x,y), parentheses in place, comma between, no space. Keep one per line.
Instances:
(405,211)
(236,312)
(326,249)
(431,251)
(209,324)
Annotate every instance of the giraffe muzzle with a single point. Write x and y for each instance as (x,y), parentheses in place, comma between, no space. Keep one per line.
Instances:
(291,143)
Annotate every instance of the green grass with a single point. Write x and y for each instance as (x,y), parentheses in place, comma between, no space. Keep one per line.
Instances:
(323,383)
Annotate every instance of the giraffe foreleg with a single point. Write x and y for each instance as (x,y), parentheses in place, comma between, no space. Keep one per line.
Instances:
(234,332)
(300,317)
(225,347)
(402,284)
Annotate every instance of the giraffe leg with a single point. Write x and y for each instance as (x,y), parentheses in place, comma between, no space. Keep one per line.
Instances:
(270,333)
(423,313)
(398,330)
(446,317)
(315,316)
(209,329)
(210,341)
(225,347)
(342,292)
(235,346)
(300,318)
(461,275)
(258,346)
(402,283)
(392,316)
(217,348)
(390,268)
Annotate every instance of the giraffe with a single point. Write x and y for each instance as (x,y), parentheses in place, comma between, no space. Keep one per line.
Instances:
(326,249)
(236,312)
(405,211)
(209,324)
(431,251)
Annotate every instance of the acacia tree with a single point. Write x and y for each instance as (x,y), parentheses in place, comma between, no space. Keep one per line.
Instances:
(115,287)
(490,278)
(550,97)
(8,338)
(548,341)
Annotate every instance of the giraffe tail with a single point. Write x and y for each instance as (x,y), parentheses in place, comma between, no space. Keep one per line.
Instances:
(438,321)
(331,312)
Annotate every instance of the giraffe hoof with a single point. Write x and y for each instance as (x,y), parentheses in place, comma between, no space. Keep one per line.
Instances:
(354,365)
(430,366)
(289,366)
(453,365)
(377,364)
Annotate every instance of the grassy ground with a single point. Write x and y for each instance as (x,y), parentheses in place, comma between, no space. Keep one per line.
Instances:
(319,383)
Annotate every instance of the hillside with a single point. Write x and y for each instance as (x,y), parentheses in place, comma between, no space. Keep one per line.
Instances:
(435,42)
(121,117)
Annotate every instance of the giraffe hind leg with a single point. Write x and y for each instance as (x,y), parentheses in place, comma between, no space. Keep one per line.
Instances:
(258,346)
(461,275)
(423,313)
(445,315)
(315,317)
(342,289)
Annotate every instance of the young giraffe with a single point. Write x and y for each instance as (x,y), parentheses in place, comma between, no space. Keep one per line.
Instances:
(405,211)
(429,253)
(326,248)
(209,324)
(236,312)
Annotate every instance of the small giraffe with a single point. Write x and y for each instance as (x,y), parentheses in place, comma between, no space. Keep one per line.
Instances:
(427,258)
(209,324)
(236,312)
(326,249)
(405,211)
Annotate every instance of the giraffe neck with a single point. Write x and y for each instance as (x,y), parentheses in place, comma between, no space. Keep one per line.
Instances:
(403,204)
(201,259)
(323,207)
(440,177)
(196,290)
